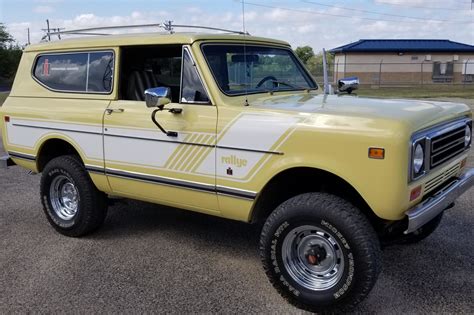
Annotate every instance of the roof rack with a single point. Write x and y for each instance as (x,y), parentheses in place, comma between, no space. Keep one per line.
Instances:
(167,26)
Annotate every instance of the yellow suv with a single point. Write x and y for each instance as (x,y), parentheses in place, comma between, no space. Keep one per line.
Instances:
(234,126)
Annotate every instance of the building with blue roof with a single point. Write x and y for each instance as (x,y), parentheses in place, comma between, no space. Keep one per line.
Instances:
(405,61)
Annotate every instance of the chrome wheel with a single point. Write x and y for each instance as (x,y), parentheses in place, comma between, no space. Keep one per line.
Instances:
(64,197)
(313,257)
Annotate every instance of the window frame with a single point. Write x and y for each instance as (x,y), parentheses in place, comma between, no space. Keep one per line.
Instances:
(187,48)
(296,59)
(88,52)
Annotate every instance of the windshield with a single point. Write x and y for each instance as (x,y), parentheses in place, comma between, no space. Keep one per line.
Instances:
(240,69)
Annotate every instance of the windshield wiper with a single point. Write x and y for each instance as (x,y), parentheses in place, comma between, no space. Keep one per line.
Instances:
(287,84)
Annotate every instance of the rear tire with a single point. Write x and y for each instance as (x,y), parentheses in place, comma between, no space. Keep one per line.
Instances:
(71,202)
(320,253)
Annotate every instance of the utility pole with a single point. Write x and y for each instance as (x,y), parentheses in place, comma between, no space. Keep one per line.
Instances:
(29,36)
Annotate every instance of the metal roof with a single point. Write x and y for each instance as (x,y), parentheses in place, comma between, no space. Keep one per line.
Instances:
(404,45)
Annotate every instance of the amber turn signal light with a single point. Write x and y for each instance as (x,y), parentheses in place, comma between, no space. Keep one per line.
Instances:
(376,153)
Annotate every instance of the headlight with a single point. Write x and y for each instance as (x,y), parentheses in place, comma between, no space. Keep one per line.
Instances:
(467,136)
(418,159)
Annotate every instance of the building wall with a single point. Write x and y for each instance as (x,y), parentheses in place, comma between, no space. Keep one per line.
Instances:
(393,68)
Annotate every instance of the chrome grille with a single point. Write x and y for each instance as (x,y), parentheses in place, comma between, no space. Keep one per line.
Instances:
(441,144)
(446,146)
(441,178)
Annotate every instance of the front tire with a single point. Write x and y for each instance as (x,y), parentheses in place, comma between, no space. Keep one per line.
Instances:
(320,253)
(71,202)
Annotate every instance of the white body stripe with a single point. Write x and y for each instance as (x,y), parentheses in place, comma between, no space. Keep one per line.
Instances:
(257,131)
(262,132)
(249,131)
(28,133)
(143,152)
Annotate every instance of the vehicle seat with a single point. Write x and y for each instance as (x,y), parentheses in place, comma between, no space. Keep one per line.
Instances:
(138,82)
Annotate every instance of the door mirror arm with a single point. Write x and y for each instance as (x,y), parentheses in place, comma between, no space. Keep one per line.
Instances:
(158,97)
(153,118)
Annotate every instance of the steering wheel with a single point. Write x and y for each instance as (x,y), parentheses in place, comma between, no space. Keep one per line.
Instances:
(267,78)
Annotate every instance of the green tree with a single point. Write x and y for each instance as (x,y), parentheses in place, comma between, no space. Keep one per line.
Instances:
(315,63)
(10,55)
(5,37)
(305,53)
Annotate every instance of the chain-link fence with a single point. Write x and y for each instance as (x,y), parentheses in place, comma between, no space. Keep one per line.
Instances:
(401,74)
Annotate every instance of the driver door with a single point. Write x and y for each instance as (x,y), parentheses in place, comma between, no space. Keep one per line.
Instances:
(143,162)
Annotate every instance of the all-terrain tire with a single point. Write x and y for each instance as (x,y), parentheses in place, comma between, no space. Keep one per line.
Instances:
(90,204)
(336,220)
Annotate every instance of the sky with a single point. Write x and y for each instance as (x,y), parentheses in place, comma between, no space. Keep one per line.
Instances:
(317,23)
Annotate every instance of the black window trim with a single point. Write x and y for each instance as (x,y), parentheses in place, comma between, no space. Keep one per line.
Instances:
(69,53)
(298,63)
(187,48)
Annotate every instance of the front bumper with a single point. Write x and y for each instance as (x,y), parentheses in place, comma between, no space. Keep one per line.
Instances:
(431,207)
(6,161)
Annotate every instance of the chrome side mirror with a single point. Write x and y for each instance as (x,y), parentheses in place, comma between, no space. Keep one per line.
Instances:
(158,97)
(348,84)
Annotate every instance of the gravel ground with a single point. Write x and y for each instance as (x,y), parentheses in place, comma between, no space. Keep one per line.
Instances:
(149,258)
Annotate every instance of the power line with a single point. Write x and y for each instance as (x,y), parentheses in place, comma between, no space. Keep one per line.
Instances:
(380,13)
(341,15)
(420,7)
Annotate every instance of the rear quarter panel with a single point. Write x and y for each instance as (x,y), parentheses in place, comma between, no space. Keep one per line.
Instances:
(38,114)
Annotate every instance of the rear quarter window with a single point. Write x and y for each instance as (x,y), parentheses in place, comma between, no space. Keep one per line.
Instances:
(84,72)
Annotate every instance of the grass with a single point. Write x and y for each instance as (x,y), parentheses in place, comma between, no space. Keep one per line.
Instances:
(444,91)
(3,97)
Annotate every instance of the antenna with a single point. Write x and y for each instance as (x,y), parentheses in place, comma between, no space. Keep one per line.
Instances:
(325,73)
(246,65)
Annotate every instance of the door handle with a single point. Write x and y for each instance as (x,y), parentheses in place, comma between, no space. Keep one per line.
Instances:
(109,111)
(175,110)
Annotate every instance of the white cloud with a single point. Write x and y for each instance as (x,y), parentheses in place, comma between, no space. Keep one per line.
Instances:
(43,9)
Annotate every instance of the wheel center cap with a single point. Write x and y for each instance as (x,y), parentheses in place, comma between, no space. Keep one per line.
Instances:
(315,255)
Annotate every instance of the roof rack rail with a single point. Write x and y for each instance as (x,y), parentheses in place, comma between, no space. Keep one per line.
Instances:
(167,26)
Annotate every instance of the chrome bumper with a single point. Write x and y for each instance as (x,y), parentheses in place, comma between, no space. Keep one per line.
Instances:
(431,207)
(6,161)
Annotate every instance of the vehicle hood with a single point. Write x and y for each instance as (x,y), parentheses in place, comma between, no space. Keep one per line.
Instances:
(417,114)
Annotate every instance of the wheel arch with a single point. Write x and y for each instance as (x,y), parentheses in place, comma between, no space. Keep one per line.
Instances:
(298,180)
(53,147)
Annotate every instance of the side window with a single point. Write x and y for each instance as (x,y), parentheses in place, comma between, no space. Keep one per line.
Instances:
(101,70)
(76,72)
(145,67)
(192,90)
(65,72)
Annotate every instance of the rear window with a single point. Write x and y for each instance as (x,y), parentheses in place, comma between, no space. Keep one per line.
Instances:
(85,72)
